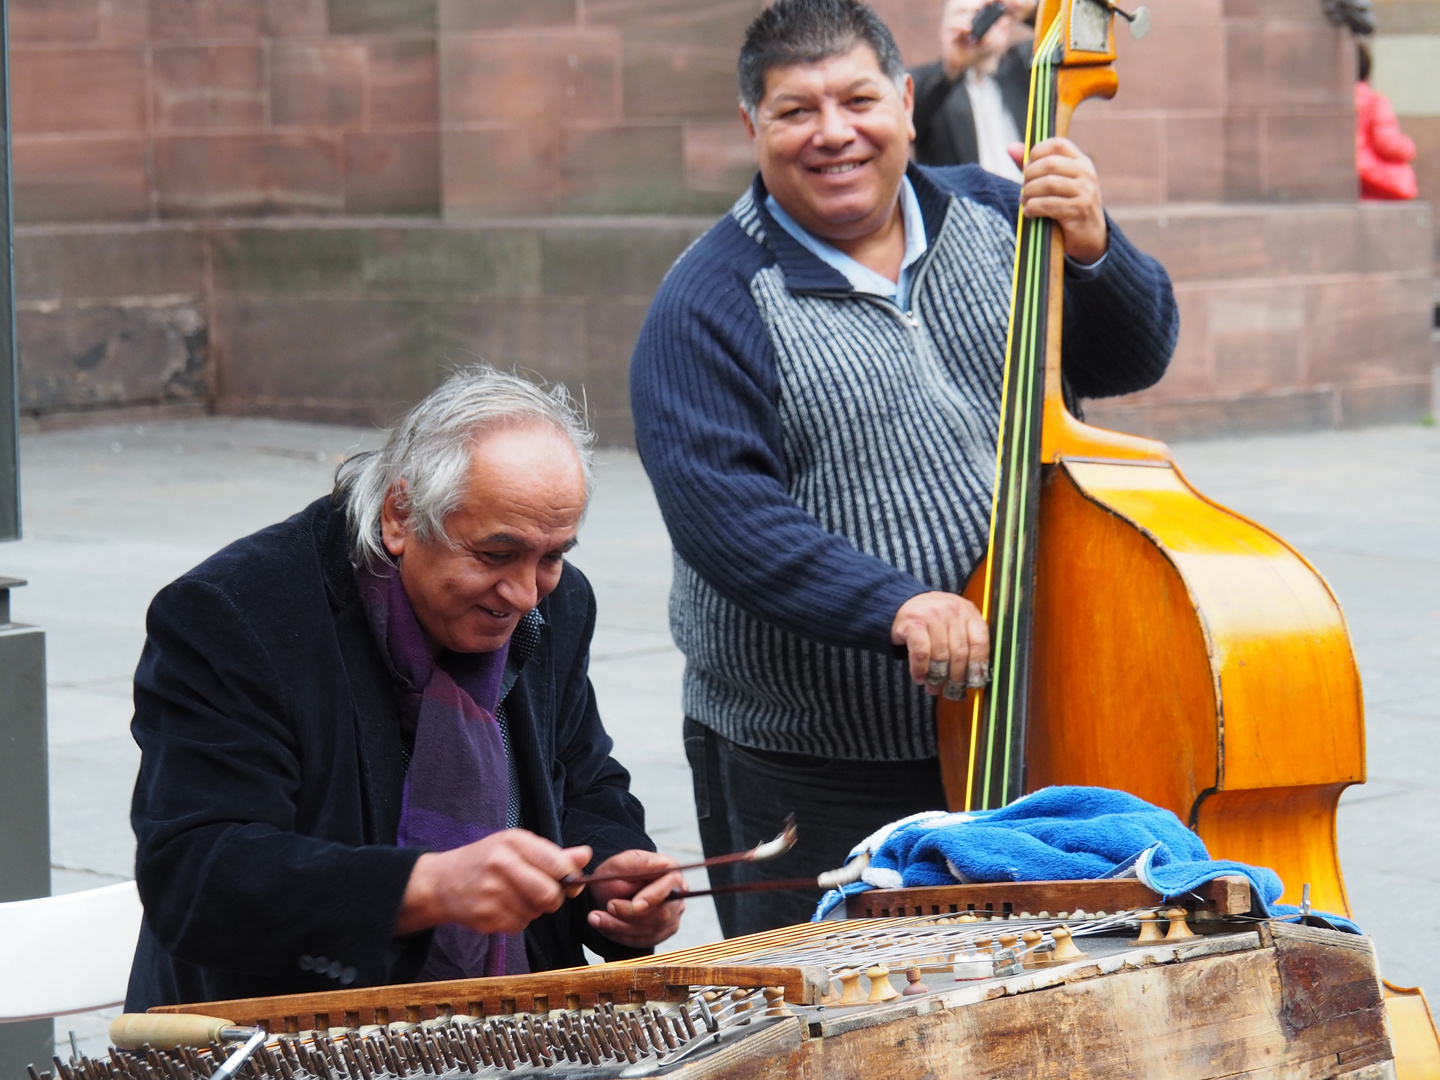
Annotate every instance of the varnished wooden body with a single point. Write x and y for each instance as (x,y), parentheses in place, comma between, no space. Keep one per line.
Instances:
(1194,659)
(1181,652)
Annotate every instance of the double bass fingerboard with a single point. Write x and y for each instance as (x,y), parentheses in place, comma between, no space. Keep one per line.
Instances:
(997,728)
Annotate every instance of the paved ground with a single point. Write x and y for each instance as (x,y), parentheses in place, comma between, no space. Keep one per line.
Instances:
(111,514)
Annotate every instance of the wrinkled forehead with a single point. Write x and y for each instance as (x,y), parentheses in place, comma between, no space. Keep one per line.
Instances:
(838,70)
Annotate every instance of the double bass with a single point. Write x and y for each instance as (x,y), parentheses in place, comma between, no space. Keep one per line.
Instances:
(1143,636)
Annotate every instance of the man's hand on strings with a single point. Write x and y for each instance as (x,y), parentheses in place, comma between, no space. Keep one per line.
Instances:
(636,913)
(947,640)
(1060,184)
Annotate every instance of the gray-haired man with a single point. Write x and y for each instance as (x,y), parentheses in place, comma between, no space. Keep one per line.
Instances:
(370,749)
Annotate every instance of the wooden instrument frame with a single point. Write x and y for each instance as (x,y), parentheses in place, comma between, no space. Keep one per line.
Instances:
(1224,896)
(1269,1000)
(564,988)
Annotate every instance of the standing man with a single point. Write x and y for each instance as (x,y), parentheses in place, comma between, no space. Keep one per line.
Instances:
(970,106)
(370,751)
(816,394)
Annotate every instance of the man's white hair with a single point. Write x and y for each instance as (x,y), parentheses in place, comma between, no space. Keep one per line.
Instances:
(426,459)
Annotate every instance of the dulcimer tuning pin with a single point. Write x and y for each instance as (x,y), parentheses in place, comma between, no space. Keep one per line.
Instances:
(880,988)
(913,985)
(1178,930)
(1149,929)
(1065,948)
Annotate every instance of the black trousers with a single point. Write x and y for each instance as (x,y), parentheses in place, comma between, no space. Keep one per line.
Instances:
(742,796)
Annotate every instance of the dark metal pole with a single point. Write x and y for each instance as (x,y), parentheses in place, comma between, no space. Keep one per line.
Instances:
(24,756)
(9,375)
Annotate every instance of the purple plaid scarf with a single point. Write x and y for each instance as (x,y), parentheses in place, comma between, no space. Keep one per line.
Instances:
(457,784)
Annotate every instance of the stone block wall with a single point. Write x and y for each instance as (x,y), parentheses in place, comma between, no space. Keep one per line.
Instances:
(1228,100)
(311,207)
(164,109)
(354,323)
(135,109)
(337,320)
(1292,317)
(111,317)
(605,106)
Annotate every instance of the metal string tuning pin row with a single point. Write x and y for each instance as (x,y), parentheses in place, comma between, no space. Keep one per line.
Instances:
(457,1046)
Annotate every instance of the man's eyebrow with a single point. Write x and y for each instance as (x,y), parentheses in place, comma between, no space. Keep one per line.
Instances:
(511,540)
(508,539)
(848,88)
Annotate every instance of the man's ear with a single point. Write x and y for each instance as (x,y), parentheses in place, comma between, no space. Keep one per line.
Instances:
(909,98)
(748,122)
(393,531)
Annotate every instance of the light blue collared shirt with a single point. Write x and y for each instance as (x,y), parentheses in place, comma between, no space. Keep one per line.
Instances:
(865,280)
(862,278)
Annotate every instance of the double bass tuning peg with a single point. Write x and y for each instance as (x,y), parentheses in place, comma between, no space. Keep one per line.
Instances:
(1138,21)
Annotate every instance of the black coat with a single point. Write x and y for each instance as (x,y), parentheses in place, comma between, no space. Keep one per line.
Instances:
(271,773)
(944,124)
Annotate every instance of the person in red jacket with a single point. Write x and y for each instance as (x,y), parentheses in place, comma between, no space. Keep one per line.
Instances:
(1382,151)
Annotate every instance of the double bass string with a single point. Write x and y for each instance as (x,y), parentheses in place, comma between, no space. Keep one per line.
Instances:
(1013,502)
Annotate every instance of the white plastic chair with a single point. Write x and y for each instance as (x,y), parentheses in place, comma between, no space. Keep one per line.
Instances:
(67,954)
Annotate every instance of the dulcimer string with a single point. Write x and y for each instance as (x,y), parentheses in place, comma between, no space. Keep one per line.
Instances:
(998,712)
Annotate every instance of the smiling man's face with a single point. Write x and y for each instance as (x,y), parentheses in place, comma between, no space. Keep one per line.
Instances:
(832,140)
(508,538)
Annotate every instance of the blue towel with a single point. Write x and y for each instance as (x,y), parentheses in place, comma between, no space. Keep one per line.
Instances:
(1055,834)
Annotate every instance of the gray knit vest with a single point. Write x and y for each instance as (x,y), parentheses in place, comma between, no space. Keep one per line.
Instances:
(890,423)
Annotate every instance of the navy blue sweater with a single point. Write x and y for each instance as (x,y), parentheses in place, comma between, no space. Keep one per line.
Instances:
(820,456)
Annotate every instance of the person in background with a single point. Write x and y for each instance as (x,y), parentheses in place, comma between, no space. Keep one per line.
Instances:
(970,105)
(1382,151)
